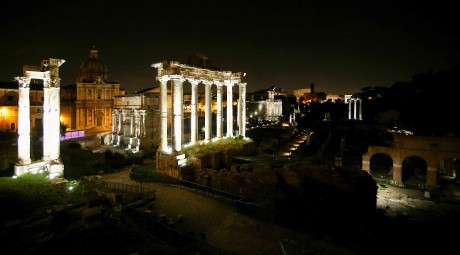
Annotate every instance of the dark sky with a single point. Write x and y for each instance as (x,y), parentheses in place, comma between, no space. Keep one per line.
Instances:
(340,46)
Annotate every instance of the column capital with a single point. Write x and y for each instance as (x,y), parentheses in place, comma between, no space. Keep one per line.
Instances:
(193,81)
(177,77)
(242,84)
(207,82)
(229,83)
(53,62)
(219,83)
(164,78)
(23,81)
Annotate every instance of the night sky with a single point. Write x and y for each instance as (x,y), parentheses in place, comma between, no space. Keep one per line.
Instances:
(340,46)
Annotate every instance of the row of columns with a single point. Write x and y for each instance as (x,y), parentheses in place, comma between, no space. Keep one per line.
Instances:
(136,130)
(51,112)
(354,102)
(177,105)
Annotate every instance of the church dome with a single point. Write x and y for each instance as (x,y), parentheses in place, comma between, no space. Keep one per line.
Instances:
(92,69)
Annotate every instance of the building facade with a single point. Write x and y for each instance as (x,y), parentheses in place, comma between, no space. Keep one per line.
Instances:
(135,120)
(9,98)
(87,104)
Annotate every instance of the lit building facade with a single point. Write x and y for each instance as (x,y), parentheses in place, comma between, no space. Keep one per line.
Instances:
(9,99)
(264,106)
(88,103)
(135,120)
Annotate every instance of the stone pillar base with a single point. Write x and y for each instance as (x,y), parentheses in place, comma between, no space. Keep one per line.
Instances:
(168,164)
(54,169)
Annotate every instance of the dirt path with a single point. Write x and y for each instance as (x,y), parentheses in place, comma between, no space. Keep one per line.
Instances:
(227,229)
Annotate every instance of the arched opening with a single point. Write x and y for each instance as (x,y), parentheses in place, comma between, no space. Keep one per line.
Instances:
(447,170)
(414,170)
(381,166)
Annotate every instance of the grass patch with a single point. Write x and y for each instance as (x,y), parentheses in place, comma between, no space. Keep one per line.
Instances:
(31,195)
(144,173)
(205,148)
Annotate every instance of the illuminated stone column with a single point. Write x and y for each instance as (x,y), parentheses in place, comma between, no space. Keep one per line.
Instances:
(349,109)
(208,111)
(119,129)
(55,129)
(46,121)
(23,121)
(354,110)
(114,125)
(131,129)
(137,129)
(229,108)
(193,112)
(178,109)
(219,110)
(143,129)
(242,110)
(163,113)
(360,109)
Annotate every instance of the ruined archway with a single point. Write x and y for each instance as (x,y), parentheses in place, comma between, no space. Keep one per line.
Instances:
(448,169)
(381,166)
(414,171)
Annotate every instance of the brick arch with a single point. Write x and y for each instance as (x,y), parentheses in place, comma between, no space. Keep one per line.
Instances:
(371,171)
(430,149)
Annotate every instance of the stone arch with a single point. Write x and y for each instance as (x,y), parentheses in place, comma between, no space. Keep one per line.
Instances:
(448,168)
(414,171)
(431,149)
(381,165)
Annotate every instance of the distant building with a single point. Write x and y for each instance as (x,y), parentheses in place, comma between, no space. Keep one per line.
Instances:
(9,98)
(266,104)
(88,103)
(136,120)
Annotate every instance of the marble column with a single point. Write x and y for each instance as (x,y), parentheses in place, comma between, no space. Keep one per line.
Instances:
(163,113)
(55,110)
(349,109)
(229,109)
(55,127)
(354,110)
(360,109)
(208,111)
(193,112)
(242,113)
(114,125)
(23,121)
(178,98)
(46,121)
(219,110)
(131,129)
